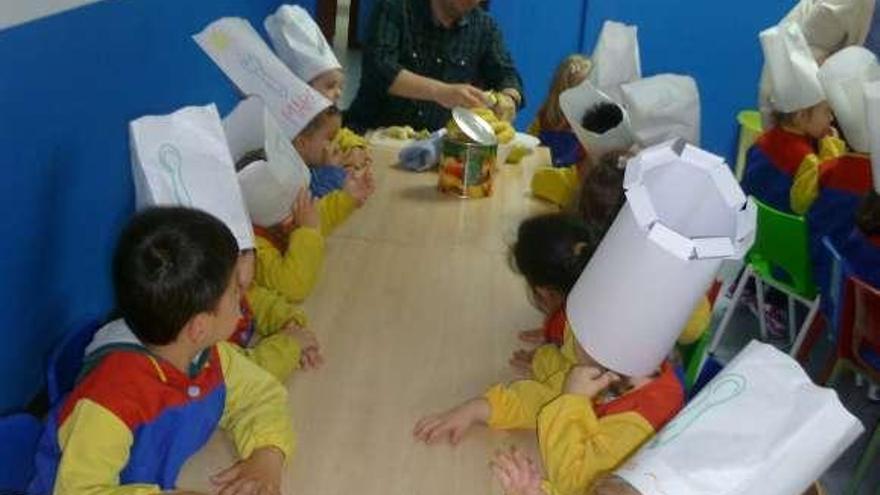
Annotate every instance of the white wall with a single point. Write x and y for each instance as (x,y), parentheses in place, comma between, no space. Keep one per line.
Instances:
(14,12)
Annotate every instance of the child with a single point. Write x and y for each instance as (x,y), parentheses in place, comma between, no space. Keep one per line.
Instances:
(784,160)
(315,145)
(550,125)
(301,45)
(861,249)
(155,404)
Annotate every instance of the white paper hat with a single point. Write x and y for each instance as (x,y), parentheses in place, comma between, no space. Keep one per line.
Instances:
(269,186)
(575,102)
(663,107)
(843,76)
(685,213)
(792,68)
(183,159)
(872,97)
(299,42)
(244,57)
(616,58)
(739,435)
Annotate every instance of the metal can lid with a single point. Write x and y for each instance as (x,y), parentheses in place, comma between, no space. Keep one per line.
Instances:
(474,126)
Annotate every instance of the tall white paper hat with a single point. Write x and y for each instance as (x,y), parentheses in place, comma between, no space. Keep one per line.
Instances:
(663,107)
(269,186)
(872,97)
(244,57)
(792,68)
(299,42)
(183,159)
(685,213)
(718,446)
(575,102)
(843,76)
(616,58)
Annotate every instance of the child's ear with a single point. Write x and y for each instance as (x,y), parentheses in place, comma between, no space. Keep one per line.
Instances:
(198,329)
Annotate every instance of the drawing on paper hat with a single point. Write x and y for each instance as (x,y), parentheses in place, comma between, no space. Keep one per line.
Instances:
(843,76)
(269,186)
(583,98)
(793,70)
(183,159)
(244,57)
(685,213)
(299,42)
(616,58)
(663,107)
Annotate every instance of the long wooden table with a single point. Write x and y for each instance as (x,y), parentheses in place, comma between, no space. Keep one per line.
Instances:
(416,310)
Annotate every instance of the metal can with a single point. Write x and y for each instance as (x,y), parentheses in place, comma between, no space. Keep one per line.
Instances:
(466,169)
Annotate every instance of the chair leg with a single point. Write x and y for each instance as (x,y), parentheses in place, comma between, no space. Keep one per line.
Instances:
(759,292)
(852,488)
(813,334)
(792,315)
(802,333)
(728,312)
(839,366)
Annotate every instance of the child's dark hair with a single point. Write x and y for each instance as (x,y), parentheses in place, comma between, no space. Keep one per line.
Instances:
(171,263)
(318,120)
(552,250)
(602,117)
(602,193)
(250,157)
(868,214)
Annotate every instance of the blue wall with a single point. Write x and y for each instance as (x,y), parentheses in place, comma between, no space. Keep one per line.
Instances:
(716,43)
(69,84)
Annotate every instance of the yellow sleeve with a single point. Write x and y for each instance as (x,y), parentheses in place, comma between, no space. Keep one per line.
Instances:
(805,186)
(556,185)
(95,446)
(277,354)
(256,413)
(516,406)
(831,147)
(548,361)
(272,311)
(578,448)
(335,208)
(698,323)
(346,139)
(295,272)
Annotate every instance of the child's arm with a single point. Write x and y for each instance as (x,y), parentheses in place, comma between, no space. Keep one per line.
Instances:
(516,406)
(95,447)
(335,208)
(272,311)
(293,273)
(805,185)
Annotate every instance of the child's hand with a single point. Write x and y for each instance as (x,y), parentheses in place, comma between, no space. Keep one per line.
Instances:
(588,381)
(357,159)
(259,474)
(535,336)
(521,361)
(305,210)
(517,473)
(332,154)
(452,424)
(359,185)
(310,350)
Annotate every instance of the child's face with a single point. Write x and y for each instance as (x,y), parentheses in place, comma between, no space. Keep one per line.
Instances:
(816,121)
(223,319)
(330,84)
(547,300)
(315,148)
(245,269)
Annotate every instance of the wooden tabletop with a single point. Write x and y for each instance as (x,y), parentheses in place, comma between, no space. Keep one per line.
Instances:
(416,310)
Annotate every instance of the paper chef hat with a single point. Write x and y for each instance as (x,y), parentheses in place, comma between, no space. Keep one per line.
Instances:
(663,107)
(616,58)
(576,102)
(872,97)
(792,68)
(183,159)
(798,420)
(685,213)
(269,186)
(843,75)
(244,57)
(299,42)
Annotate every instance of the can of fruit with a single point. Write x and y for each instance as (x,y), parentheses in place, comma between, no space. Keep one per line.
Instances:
(466,169)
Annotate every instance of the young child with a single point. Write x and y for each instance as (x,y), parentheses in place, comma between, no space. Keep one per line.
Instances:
(155,404)
(785,160)
(550,125)
(315,145)
(300,44)
(861,249)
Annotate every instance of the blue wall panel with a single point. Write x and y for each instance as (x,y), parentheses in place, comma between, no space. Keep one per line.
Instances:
(715,42)
(69,85)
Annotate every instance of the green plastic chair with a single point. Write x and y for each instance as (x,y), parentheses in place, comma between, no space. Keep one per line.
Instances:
(750,127)
(779,258)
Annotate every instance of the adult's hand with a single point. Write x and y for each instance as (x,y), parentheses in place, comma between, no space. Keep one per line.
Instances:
(459,95)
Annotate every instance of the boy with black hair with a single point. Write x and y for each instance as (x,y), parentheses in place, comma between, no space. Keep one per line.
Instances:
(136,417)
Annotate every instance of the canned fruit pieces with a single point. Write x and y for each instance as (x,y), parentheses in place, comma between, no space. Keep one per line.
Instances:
(450,181)
(476,192)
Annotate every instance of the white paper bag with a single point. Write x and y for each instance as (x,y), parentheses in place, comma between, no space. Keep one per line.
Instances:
(760,427)
(616,58)
(245,58)
(183,159)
